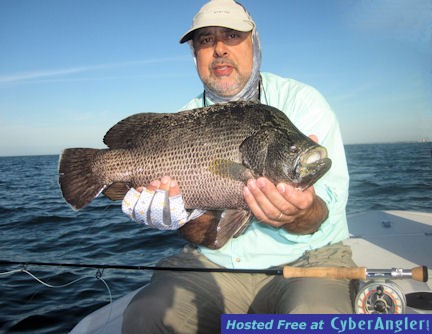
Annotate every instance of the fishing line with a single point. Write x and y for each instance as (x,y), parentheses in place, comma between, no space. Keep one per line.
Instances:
(98,276)
(10,272)
(49,285)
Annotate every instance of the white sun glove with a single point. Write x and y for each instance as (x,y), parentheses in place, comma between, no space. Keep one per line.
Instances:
(157,210)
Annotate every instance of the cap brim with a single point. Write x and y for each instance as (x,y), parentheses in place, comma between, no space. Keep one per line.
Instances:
(238,25)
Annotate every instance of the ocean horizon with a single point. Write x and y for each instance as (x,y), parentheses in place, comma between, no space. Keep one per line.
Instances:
(423,140)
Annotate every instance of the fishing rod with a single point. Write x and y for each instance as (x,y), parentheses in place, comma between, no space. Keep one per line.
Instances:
(377,293)
(361,273)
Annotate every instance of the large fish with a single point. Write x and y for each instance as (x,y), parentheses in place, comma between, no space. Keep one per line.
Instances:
(210,151)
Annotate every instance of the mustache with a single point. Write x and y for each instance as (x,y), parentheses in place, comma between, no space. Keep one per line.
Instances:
(224,61)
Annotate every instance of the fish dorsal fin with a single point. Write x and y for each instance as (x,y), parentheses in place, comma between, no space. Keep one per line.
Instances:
(133,129)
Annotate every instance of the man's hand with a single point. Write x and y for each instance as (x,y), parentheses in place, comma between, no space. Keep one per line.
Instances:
(300,212)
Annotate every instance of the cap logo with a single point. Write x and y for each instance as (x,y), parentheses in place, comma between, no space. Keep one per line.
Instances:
(221,12)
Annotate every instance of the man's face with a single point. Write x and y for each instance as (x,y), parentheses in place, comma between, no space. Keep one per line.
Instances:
(224,58)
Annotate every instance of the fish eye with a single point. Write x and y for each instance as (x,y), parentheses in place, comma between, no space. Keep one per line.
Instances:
(293,149)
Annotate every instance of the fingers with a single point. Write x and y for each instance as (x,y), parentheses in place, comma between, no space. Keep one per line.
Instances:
(165,183)
(276,205)
(299,199)
(314,138)
(169,185)
(267,203)
(154,185)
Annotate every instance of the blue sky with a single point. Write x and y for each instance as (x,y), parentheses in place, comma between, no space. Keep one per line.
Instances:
(69,70)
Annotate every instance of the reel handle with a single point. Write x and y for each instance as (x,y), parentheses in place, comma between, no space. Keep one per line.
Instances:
(361,273)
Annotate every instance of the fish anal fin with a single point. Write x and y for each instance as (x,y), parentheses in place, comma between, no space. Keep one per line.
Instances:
(117,190)
(214,228)
(202,230)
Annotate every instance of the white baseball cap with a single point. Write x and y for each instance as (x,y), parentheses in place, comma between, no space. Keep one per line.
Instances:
(220,13)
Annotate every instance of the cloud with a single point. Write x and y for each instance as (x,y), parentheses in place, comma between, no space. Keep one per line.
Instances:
(18,77)
(55,73)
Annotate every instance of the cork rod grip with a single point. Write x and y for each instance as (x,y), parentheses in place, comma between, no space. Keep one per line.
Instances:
(420,274)
(325,272)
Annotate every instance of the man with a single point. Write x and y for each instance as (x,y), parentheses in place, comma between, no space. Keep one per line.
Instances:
(291,227)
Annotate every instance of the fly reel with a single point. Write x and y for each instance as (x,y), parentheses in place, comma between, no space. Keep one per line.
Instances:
(380,297)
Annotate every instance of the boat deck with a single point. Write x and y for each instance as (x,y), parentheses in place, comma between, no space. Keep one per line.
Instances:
(379,240)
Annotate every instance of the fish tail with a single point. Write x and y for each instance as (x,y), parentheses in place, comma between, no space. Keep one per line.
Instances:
(78,183)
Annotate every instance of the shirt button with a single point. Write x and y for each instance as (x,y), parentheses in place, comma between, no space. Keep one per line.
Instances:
(237,259)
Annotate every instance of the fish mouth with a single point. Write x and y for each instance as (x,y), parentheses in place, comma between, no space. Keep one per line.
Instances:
(311,166)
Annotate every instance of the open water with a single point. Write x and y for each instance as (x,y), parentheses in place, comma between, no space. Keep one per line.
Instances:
(37,225)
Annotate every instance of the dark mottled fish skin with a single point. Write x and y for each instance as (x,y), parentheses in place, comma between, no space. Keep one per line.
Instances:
(210,151)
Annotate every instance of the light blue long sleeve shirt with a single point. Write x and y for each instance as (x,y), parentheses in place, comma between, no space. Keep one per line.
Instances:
(261,245)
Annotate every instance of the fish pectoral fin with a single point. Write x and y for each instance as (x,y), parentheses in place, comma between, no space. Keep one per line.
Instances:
(214,228)
(230,169)
(233,223)
(240,218)
(117,190)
